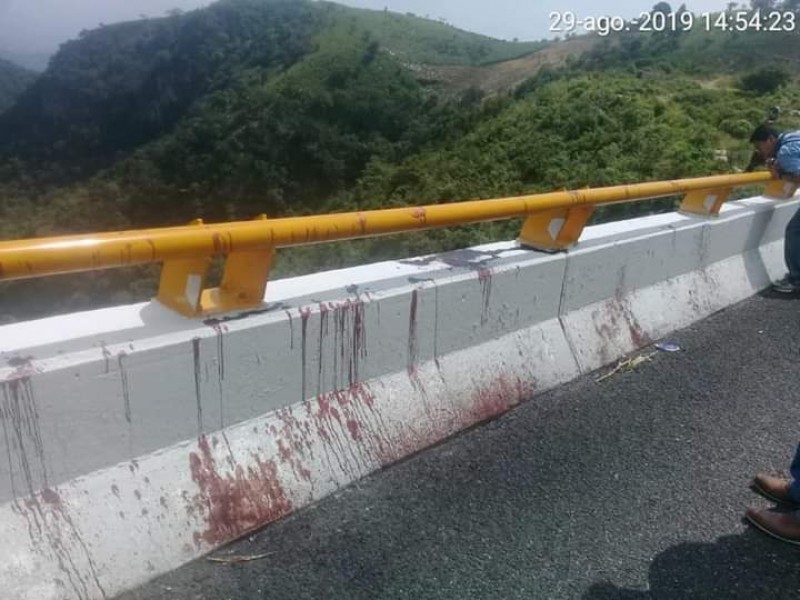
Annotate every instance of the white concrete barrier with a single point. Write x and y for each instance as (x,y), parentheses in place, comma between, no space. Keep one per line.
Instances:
(137,440)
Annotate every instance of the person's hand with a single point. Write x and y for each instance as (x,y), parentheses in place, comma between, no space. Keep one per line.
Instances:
(772,165)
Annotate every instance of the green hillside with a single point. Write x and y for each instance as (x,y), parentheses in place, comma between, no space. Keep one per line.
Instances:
(13,81)
(293,107)
(417,40)
(121,86)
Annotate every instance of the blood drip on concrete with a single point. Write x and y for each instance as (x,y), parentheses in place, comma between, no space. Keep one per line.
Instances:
(305,314)
(412,356)
(485,277)
(50,526)
(198,398)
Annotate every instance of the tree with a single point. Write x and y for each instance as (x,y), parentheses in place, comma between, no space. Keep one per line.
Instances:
(472,96)
(766,80)
(762,5)
(662,7)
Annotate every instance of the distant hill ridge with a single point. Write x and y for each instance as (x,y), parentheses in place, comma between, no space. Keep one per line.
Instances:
(13,81)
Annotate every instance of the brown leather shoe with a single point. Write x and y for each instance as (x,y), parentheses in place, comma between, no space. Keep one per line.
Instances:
(773,488)
(784,526)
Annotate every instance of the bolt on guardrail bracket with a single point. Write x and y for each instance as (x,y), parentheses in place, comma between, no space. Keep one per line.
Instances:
(555,230)
(705,202)
(244,282)
(780,190)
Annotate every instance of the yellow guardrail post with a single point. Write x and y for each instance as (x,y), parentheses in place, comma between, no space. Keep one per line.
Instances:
(705,202)
(780,190)
(555,229)
(183,281)
(244,280)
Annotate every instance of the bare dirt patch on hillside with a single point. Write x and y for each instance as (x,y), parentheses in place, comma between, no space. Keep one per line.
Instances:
(503,76)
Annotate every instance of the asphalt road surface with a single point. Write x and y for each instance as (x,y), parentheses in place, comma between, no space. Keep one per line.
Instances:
(630,488)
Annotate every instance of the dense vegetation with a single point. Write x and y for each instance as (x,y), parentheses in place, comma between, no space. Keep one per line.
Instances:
(13,81)
(291,107)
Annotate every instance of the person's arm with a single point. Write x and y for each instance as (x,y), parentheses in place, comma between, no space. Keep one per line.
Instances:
(755,161)
(791,178)
(786,166)
(779,173)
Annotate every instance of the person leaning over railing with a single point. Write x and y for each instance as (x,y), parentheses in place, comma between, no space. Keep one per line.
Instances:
(781,154)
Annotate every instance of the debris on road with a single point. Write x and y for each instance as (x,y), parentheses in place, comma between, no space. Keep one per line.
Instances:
(233,560)
(628,365)
(668,347)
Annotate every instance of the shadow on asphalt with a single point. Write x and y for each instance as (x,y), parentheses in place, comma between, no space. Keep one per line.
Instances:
(750,565)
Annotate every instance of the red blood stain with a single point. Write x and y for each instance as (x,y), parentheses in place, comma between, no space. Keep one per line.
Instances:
(485,278)
(499,396)
(305,314)
(237,502)
(610,321)
(363,394)
(412,333)
(324,403)
(323,434)
(293,443)
(355,429)
(284,451)
(488,401)
(420,214)
(362,225)
(51,497)
(291,329)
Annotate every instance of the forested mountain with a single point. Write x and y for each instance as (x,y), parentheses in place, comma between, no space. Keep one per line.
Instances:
(291,107)
(13,81)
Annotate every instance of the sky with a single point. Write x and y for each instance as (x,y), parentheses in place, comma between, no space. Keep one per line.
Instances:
(39,26)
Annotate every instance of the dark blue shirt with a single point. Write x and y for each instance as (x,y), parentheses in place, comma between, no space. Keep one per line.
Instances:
(787,153)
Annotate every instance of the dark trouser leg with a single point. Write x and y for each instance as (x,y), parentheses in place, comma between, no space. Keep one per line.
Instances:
(792,248)
(794,488)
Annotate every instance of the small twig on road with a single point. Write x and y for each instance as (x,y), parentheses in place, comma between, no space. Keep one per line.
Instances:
(630,364)
(232,560)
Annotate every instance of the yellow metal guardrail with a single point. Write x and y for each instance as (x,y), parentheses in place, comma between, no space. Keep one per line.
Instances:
(554,221)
